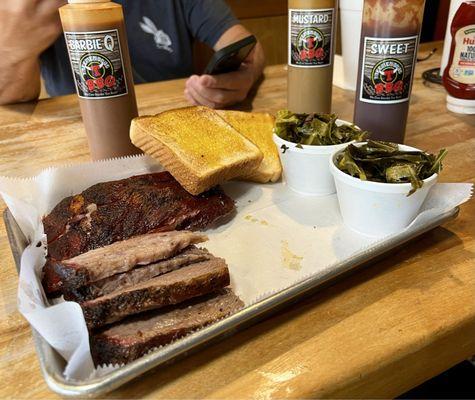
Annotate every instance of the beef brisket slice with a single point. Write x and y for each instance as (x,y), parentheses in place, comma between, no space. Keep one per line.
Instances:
(137,275)
(113,211)
(171,288)
(123,256)
(135,336)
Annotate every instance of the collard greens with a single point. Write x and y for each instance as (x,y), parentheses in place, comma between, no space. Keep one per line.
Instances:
(315,129)
(383,162)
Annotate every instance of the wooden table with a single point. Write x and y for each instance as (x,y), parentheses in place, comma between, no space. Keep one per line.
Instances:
(378,333)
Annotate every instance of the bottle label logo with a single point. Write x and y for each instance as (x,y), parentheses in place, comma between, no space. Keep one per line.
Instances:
(96,63)
(310,37)
(387,69)
(463,65)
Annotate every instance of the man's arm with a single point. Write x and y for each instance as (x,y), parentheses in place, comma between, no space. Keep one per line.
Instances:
(28,27)
(19,81)
(222,90)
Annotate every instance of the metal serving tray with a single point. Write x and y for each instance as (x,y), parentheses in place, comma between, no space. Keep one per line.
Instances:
(52,364)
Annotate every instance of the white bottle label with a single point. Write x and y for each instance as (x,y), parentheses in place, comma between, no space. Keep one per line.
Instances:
(387,69)
(96,63)
(311,37)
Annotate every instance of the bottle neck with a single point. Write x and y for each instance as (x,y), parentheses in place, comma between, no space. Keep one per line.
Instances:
(87,1)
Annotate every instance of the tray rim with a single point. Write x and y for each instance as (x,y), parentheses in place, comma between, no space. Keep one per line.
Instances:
(213,332)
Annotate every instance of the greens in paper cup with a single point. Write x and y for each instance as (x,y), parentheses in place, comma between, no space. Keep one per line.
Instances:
(382,186)
(305,143)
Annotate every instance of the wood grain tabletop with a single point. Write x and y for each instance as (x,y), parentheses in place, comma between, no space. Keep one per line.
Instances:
(378,333)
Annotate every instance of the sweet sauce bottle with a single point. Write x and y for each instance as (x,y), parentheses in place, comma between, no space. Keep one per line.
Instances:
(459,75)
(388,51)
(96,40)
(312,31)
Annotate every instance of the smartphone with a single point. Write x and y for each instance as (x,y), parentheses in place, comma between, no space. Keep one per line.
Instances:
(229,58)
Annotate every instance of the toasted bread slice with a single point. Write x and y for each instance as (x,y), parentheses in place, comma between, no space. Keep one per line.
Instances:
(257,127)
(196,146)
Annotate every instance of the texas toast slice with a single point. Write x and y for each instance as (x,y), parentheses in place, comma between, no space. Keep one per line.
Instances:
(198,147)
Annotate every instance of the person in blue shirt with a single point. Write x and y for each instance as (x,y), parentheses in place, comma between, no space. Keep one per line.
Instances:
(160,35)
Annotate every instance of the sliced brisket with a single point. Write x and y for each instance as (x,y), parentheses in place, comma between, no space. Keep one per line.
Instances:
(123,256)
(135,336)
(141,274)
(112,211)
(171,288)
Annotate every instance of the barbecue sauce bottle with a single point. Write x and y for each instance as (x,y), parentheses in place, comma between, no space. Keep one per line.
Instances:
(388,50)
(459,75)
(96,40)
(312,30)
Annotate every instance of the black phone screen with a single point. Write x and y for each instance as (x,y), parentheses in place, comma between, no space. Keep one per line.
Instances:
(230,57)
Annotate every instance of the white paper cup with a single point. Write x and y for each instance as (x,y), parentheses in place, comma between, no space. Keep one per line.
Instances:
(375,208)
(351,12)
(306,169)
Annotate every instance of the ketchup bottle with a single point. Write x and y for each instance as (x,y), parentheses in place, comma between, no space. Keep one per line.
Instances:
(459,75)
(96,39)
(388,50)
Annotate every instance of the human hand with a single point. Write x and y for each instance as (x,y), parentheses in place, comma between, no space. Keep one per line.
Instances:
(218,91)
(28,28)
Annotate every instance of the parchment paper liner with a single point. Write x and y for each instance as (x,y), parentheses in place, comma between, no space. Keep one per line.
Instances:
(277,239)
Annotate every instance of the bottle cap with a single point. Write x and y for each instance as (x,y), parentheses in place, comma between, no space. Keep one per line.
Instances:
(87,1)
(460,106)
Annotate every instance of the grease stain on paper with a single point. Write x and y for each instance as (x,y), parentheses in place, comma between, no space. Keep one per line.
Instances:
(290,260)
(255,220)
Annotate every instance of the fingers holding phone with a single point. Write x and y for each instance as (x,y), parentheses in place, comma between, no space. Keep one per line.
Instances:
(220,90)
(229,75)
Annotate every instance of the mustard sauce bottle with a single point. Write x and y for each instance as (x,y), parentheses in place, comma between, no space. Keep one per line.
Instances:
(312,31)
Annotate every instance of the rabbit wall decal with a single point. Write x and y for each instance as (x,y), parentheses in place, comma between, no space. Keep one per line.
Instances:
(162,40)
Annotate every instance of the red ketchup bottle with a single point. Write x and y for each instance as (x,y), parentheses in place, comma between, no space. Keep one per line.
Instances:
(459,75)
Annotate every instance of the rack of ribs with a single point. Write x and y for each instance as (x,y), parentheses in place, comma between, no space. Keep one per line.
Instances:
(113,211)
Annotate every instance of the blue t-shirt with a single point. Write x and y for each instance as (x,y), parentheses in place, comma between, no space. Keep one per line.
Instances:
(160,35)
